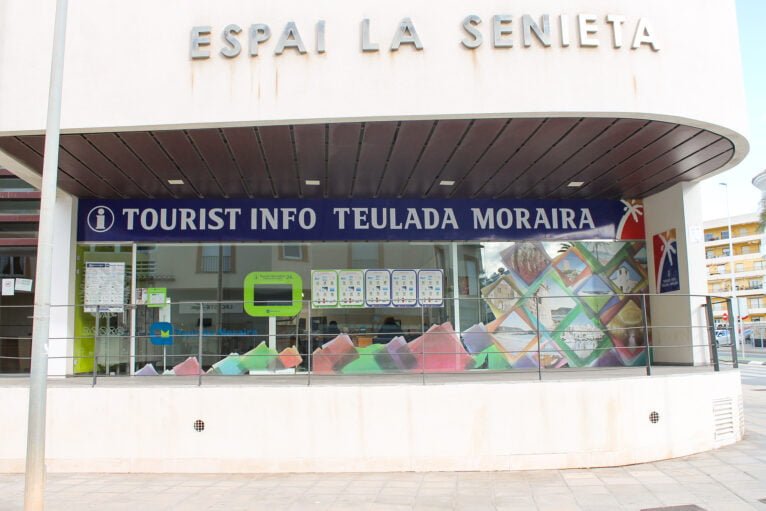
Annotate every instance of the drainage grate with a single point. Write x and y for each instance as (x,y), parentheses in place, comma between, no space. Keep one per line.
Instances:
(723,418)
(199,425)
(687,507)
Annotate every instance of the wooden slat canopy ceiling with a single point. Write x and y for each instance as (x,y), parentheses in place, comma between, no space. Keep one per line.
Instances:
(486,158)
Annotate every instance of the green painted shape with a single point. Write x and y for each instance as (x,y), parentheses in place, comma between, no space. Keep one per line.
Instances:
(258,358)
(366,363)
(496,359)
(572,358)
(596,303)
(480,358)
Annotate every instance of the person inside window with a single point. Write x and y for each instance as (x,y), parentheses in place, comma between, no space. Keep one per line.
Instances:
(332,328)
(388,330)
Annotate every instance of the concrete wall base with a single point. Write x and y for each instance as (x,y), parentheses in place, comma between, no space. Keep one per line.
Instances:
(397,427)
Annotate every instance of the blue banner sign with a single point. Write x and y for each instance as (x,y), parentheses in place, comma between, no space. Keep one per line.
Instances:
(230,220)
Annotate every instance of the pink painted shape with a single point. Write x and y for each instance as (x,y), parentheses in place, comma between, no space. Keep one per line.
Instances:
(189,367)
(440,350)
(289,357)
(334,355)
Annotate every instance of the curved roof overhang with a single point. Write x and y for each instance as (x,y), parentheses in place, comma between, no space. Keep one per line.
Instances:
(519,157)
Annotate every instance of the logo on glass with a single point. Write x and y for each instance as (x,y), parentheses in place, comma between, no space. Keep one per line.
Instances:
(100,219)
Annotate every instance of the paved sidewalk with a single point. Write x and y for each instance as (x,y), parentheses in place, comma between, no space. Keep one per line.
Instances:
(728,479)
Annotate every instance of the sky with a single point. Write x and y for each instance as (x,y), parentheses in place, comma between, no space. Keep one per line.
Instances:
(744,197)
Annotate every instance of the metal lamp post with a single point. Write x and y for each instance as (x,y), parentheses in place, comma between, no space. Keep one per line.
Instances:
(34,483)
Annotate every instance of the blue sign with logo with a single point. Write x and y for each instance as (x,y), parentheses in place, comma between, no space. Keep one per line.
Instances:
(345,220)
(161,333)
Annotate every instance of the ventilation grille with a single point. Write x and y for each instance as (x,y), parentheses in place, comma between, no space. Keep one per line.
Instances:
(723,418)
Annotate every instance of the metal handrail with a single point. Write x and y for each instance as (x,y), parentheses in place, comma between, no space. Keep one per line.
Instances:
(565,344)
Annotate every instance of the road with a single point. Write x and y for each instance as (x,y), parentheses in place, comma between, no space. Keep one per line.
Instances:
(757,354)
(753,375)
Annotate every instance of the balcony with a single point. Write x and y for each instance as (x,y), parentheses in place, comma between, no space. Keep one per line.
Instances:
(723,259)
(717,242)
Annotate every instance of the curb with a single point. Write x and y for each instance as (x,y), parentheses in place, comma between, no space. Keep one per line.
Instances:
(754,363)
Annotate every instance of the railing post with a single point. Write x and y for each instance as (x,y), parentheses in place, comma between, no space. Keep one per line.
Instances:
(711,332)
(308,344)
(645,319)
(423,344)
(539,350)
(732,338)
(199,350)
(95,345)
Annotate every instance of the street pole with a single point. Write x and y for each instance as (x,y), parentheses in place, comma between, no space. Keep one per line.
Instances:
(34,484)
(734,298)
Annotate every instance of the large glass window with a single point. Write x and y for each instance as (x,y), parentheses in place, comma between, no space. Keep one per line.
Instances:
(12,265)
(506,304)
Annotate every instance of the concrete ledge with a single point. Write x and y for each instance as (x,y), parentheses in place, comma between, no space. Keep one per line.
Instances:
(398,427)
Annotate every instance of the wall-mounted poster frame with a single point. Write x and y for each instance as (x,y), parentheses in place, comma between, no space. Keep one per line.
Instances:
(324,289)
(431,288)
(404,288)
(377,288)
(350,288)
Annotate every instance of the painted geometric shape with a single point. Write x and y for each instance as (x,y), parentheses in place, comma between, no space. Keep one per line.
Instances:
(581,338)
(551,356)
(189,367)
(555,302)
(500,295)
(527,259)
(259,358)
(514,335)
(602,252)
(367,362)
(609,358)
(228,366)
(595,293)
(571,267)
(495,359)
(640,255)
(289,357)
(626,278)
(334,355)
(440,350)
(477,339)
(397,356)
(626,331)
(147,370)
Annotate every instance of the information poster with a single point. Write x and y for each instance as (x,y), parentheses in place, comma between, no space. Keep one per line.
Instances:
(431,288)
(404,288)
(377,285)
(351,288)
(7,287)
(104,287)
(24,285)
(324,288)
(155,296)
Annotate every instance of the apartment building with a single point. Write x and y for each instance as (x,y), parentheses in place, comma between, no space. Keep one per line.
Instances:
(749,265)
